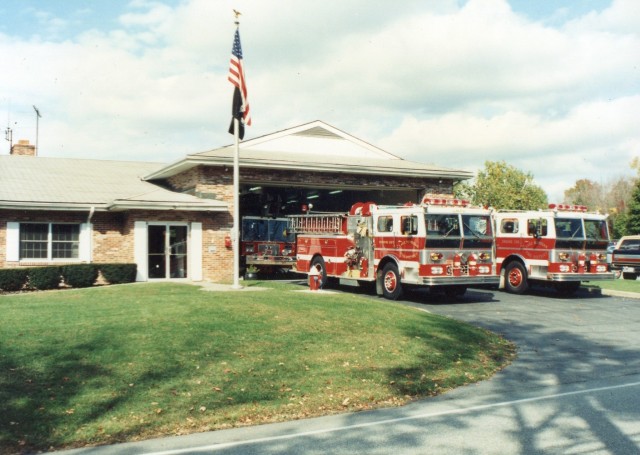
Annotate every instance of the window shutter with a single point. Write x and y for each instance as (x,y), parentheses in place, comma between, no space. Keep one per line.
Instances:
(13,242)
(86,244)
(140,248)
(195,252)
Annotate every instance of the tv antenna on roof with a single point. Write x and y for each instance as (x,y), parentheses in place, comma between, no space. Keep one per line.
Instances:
(8,133)
(37,125)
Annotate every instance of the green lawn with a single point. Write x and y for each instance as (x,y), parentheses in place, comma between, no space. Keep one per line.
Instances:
(93,366)
(617,285)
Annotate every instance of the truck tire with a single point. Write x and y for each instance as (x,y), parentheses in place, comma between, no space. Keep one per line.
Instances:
(318,264)
(629,275)
(391,285)
(515,278)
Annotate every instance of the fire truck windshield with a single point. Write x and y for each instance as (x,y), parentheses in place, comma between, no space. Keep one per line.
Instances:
(265,230)
(477,231)
(597,234)
(569,231)
(443,230)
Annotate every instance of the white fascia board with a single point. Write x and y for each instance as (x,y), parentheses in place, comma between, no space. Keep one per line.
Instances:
(118,206)
(52,206)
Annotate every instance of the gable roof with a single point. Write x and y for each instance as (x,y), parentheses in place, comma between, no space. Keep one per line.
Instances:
(29,182)
(314,146)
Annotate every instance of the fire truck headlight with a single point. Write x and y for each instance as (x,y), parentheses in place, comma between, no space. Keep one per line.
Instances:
(249,249)
(436,256)
(565,268)
(484,256)
(437,270)
(563,256)
(286,252)
(484,269)
(602,257)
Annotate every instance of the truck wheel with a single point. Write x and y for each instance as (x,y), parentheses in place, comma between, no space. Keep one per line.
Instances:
(629,276)
(318,264)
(391,285)
(516,278)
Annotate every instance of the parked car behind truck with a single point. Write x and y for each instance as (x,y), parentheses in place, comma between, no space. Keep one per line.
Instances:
(626,257)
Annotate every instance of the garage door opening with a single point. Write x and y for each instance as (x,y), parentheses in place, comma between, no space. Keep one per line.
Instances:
(274,201)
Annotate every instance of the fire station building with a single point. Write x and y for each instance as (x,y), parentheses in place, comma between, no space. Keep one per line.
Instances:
(174,220)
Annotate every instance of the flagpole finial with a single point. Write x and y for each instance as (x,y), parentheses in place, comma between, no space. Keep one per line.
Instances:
(237,14)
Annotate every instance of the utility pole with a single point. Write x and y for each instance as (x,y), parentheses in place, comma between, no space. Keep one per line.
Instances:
(8,135)
(37,126)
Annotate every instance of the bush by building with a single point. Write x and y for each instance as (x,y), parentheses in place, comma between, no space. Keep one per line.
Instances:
(80,275)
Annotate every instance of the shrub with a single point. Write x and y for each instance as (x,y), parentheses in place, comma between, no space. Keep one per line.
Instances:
(80,275)
(43,278)
(12,280)
(118,273)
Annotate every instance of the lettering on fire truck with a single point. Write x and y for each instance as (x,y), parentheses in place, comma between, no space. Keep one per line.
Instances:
(440,242)
(562,246)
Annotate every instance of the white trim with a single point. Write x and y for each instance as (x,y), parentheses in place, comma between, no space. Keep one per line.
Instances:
(140,249)
(13,242)
(85,242)
(194,252)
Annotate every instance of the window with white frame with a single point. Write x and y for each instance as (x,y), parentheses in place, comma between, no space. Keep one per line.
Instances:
(47,241)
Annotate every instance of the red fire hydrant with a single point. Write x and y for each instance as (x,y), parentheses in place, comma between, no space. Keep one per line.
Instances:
(315,280)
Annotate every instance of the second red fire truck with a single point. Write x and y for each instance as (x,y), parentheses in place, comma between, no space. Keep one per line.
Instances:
(266,243)
(441,243)
(562,246)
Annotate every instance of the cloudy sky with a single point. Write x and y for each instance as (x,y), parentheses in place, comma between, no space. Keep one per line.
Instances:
(550,86)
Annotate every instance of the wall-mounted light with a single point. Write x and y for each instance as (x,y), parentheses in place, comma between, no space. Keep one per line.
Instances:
(255,188)
(335,191)
(313,196)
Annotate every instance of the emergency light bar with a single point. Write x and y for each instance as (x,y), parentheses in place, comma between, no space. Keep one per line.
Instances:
(568,207)
(444,201)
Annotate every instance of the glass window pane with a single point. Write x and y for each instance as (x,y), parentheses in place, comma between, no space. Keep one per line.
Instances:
(65,242)
(33,240)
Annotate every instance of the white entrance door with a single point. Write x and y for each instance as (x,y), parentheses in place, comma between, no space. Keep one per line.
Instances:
(167,251)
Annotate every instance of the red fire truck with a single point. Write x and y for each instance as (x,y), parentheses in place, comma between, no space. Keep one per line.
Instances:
(266,242)
(441,243)
(561,246)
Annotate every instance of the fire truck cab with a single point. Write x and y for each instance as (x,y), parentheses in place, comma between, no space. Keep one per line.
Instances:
(266,242)
(439,243)
(562,246)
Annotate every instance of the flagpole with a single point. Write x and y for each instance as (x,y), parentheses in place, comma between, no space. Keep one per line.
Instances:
(236,199)
(236,207)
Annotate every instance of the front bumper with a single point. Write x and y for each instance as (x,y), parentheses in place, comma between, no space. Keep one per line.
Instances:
(567,277)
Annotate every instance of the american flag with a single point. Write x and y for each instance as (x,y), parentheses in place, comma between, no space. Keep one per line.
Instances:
(240,108)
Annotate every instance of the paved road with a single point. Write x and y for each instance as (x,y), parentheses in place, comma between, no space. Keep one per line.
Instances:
(575,388)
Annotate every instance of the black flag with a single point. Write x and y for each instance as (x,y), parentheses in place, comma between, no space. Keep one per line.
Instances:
(237,113)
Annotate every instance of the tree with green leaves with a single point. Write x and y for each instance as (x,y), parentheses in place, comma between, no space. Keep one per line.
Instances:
(633,213)
(504,187)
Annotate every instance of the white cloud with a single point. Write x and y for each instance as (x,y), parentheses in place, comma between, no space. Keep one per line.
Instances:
(452,83)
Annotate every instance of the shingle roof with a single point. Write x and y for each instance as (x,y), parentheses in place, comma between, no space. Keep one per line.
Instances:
(66,184)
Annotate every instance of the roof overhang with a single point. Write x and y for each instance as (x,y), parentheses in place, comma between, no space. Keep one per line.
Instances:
(115,206)
(289,162)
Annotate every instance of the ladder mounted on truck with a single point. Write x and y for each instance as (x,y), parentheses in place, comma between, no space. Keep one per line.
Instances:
(325,223)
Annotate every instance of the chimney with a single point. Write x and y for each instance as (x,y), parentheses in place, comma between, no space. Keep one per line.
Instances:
(23,148)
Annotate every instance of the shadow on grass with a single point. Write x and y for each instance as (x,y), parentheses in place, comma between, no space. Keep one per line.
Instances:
(40,402)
